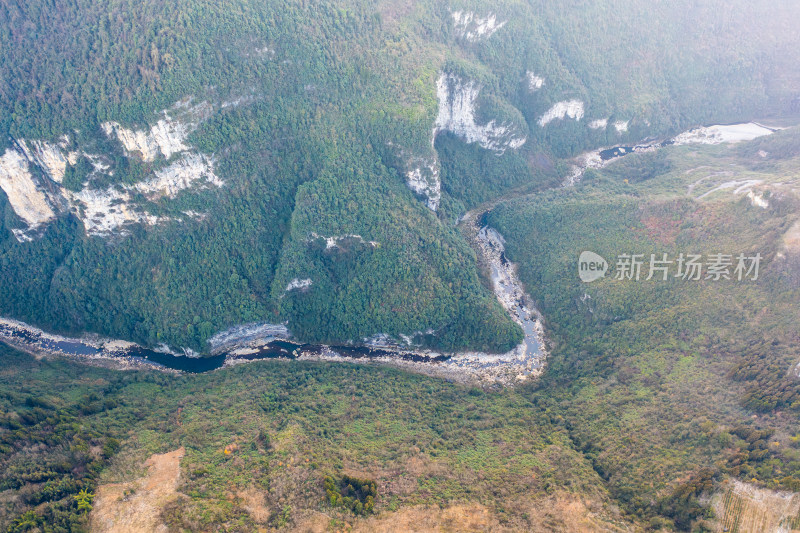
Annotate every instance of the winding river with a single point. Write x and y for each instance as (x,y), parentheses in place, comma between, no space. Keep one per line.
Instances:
(255,342)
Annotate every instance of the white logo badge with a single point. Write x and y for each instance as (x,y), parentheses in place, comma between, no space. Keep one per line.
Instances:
(591,267)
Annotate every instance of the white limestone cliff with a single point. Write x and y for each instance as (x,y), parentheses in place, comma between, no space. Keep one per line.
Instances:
(167,136)
(27,199)
(534,82)
(180,175)
(104,212)
(567,109)
(423,178)
(471,27)
(457,106)
(49,157)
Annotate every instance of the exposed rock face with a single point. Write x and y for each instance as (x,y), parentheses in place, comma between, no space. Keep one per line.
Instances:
(757,200)
(49,158)
(599,124)
(247,332)
(567,109)
(167,136)
(181,175)
(333,242)
(456,114)
(534,82)
(423,178)
(105,211)
(299,284)
(621,126)
(27,199)
(457,100)
(472,28)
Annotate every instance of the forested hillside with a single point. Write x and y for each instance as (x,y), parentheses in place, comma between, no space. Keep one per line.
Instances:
(170,170)
(670,385)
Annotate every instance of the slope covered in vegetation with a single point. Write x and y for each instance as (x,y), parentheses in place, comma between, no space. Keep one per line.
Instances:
(288,121)
(668,386)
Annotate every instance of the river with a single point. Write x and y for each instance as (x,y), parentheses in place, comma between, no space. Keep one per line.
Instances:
(254,342)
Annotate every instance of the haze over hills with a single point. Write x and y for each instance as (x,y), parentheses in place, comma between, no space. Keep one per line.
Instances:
(417,174)
(169,171)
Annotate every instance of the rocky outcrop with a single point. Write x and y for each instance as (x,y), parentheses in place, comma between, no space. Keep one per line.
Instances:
(567,109)
(166,137)
(182,174)
(457,107)
(105,211)
(458,99)
(471,27)
(423,178)
(49,157)
(333,242)
(534,82)
(28,200)
(299,284)
(599,124)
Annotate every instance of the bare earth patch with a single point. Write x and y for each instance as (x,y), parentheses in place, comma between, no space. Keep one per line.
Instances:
(468,517)
(792,238)
(562,512)
(255,503)
(136,507)
(745,508)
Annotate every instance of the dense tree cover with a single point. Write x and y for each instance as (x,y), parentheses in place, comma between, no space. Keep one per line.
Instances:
(659,380)
(319,109)
(286,426)
(474,175)
(332,101)
(353,493)
(49,457)
(427,270)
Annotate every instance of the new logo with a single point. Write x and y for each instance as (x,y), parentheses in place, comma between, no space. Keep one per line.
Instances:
(591,267)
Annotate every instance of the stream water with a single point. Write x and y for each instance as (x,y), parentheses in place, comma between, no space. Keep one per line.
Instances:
(264,341)
(29,338)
